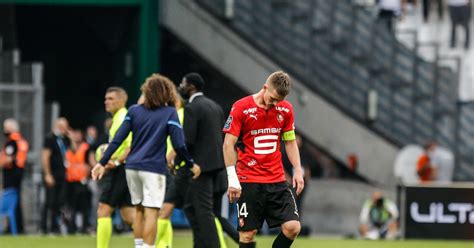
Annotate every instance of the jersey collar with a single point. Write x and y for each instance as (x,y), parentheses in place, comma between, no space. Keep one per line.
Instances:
(119,112)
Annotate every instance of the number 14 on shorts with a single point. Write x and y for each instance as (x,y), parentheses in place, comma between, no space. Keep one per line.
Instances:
(242,213)
(242,210)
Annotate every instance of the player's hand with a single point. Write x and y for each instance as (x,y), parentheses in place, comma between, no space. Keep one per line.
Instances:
(170,157)
(171,169)
(196,171)
(298,181)
(235,189)
(110,165)
(98,172)
(49,180)
(234,194)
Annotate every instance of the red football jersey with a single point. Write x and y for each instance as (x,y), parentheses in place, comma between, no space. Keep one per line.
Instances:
(261,131)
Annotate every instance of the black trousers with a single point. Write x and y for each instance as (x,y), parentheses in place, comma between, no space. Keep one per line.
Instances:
(226,225)
(387,18)
(19,214)
(198,207)
(427,7)
(460,15)
(55,200)
(78,201)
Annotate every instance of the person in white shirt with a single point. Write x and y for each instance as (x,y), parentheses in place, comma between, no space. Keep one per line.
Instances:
(389,10)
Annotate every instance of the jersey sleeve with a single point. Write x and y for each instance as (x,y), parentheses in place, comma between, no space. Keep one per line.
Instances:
(176,134)
(233,124)
(175,130)
(120,136)
(128,140)
(169,145)
(289,127)
(49,143)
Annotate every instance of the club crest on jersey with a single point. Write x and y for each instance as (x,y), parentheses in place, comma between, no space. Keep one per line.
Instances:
(228,122)
(241,222)
(280,118)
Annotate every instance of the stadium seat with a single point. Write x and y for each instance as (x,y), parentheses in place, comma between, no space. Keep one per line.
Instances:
(8,202)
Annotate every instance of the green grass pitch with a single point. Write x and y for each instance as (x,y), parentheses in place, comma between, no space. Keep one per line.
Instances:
(183,240)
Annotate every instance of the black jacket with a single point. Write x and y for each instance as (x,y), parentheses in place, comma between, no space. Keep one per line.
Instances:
(203,122)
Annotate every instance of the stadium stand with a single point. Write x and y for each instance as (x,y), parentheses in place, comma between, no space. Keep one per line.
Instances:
(244,64)
(338,50)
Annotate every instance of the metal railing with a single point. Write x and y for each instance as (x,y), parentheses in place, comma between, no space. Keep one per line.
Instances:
(22,98)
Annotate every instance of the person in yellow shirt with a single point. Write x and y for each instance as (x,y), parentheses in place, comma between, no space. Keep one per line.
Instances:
(115,193)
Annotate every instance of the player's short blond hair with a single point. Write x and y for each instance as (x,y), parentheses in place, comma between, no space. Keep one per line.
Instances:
(280,81)
(121,93)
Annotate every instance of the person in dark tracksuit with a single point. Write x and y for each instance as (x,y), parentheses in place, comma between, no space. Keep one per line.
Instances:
(203,120)
(54,173)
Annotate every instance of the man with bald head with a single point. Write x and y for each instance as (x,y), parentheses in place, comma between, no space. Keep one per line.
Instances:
(54,174)
(13,161)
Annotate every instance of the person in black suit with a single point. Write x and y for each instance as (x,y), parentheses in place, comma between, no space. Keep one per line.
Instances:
(203,122)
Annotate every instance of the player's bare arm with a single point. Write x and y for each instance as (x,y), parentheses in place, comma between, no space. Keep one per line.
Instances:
(48,176)
(230,159)
(294,157)
(5,159)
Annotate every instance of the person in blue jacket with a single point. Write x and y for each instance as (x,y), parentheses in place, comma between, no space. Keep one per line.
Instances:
(150,122)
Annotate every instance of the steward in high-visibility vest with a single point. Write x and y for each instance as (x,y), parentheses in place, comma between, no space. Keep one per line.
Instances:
(77,169)
(13,159)
(78,196)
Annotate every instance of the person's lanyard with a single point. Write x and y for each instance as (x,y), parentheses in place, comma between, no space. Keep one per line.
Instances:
(62,148)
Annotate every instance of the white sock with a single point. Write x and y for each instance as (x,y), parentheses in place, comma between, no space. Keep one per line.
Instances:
(148,246)
(139,243)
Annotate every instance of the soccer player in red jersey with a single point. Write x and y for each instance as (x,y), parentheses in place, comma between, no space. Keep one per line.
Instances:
(255,170)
